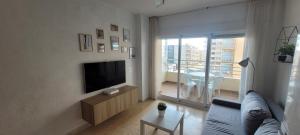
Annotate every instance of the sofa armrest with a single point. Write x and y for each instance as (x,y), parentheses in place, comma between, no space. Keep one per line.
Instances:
(227,103)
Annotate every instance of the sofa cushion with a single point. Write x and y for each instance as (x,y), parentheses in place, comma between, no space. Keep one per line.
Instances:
(268,127)
(223,120)
(276,110)
(253,112)
(227,103)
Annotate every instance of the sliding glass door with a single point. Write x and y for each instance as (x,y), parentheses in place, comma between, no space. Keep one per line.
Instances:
(199,68)
(225,73)
(183,68)
(170,67)
(192,68)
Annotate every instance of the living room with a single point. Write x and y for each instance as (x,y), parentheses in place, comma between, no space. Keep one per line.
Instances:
(66,64)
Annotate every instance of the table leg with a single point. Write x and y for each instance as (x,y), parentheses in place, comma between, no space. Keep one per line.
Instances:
(142,128)
(181,125)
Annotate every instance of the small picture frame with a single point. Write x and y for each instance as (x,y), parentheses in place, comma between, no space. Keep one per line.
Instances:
(132,52)
(114,41)
(101,48)
(85,43)
(114,27)
(100,34)
(124,49)
(126,35)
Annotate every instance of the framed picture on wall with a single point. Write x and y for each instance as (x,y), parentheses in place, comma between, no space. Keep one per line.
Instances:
(124,49)
(101,48)
(126,35)
(85,43)
(100,34)
(114,41)
(114,27)
(132,52)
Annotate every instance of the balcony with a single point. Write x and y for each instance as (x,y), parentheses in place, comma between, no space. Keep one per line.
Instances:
(228,87)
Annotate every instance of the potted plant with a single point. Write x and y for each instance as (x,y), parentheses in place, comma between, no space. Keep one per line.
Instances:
(286,52)
(161,109)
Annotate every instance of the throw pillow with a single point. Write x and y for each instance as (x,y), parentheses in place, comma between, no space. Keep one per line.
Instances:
(253,112)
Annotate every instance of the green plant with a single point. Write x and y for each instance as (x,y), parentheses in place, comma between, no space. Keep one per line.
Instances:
(287,49)
(161,106)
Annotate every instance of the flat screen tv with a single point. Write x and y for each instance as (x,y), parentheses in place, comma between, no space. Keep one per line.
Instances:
(103,75)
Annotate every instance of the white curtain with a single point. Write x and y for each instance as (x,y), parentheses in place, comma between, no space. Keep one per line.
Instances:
(155,57)
(259,46)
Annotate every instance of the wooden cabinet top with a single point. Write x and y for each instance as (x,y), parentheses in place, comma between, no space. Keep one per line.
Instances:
(103,97)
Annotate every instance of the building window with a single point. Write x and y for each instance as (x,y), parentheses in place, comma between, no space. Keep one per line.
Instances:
(170,52)
(227,56)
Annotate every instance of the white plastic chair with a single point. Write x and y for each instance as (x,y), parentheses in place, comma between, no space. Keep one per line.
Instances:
(200,85)
(214,84)
(189,83)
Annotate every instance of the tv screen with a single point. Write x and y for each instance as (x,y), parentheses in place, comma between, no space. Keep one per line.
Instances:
(103,75)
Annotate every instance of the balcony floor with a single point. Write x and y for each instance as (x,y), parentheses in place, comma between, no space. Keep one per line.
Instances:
(170,89)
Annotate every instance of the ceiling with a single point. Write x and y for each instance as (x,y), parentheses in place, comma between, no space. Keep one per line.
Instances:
(148,7)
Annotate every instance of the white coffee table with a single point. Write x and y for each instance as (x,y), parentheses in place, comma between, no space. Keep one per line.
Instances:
(168,123)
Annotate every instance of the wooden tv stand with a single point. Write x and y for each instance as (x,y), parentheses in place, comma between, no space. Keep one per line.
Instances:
(99,108)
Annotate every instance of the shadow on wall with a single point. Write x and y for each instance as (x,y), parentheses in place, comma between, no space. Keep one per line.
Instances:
(69,117)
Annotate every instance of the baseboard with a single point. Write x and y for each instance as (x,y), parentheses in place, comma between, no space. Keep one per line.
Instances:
(143,100)
(79,129)
(185,102)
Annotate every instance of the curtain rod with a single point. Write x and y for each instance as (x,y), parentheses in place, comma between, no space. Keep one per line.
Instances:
(208,7)
(213,35)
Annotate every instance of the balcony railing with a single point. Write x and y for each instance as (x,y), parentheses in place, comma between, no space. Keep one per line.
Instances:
(228,69)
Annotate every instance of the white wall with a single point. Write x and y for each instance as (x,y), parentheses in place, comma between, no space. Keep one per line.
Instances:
(283,72)
(223,19)
(41,76)
(231,84)
(291,12)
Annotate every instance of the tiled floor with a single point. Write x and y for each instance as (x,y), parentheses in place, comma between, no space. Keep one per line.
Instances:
(170,89)
(128,122)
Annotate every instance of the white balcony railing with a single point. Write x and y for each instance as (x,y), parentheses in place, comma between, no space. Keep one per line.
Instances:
(227,68)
